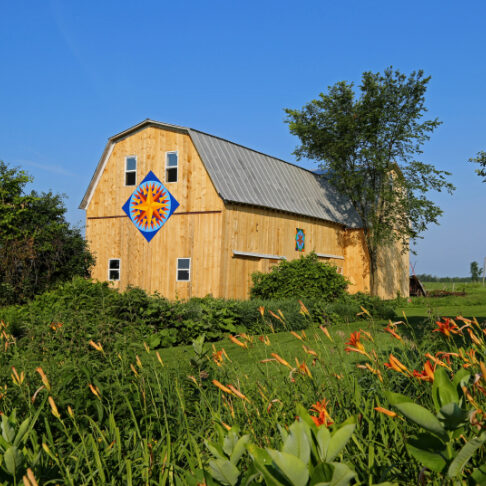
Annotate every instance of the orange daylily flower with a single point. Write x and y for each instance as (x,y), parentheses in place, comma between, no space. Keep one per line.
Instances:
(323,417)
(261,309)
(296,335)
(303,368)
(447,327)
(354,344)
(474,338)
(309,351)
(135,372)
(392,332)
(427,374)
(55,326)
(396,365)
(222,387)
(265,340)
(43,378)
(483,370)
(385,411)
(437,361)
(237,342)
(303,309)
(218,358)
(97,346)
(326,332)
(159,359)
(54,409)
(368,367)
(16,378)
(275,315)
(280,360)
(95,391)
(238,393)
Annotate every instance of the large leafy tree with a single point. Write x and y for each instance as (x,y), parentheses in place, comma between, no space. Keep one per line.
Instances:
(38,247)
(480,159)
(367,141)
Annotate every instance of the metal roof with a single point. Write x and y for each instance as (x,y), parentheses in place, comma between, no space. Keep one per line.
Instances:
(245,176)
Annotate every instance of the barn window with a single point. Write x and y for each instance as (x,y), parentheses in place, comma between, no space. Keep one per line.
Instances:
(183,269)
(171,166)
(130,171)
(114,269)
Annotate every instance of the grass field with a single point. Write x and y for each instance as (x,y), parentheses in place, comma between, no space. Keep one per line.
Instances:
(122,413)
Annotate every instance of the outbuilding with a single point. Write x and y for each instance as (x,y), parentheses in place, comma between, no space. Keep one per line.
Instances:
(184,213)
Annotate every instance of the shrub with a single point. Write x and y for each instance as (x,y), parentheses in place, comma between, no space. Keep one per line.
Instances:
(304,277)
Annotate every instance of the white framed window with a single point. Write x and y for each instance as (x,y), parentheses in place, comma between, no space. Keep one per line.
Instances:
(171,166)
(131,170)
(183,269)
(114,268)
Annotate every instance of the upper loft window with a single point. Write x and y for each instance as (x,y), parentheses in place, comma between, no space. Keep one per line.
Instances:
(131,170)
(171,166)
(183,269)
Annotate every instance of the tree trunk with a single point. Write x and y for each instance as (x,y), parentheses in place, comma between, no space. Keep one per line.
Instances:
(374,281)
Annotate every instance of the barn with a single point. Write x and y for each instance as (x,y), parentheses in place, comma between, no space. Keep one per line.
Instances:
(184,213)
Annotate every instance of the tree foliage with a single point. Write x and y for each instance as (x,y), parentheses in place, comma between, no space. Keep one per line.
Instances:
(368,145)
(480,159)
(475,271)
(38,247)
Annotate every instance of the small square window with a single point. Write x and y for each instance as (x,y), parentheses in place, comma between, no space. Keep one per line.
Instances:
(114,269)
(130,171)
(171,166)
(183,269)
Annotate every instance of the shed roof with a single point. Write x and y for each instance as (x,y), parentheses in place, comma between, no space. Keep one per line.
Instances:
(244,176)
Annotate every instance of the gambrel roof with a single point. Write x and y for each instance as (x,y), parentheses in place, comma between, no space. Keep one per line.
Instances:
(244,176)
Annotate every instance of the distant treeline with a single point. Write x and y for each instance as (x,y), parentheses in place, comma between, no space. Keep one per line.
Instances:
(432,278)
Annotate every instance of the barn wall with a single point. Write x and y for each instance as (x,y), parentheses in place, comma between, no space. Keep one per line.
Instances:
(270,232)
(393,271)
(356,260)
(193,231)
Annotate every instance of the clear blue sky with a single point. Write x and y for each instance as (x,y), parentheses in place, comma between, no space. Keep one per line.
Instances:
(75,73)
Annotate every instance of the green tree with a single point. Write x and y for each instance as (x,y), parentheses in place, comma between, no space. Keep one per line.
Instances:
(38,247)
(480,159)
(367,145)
(475,271)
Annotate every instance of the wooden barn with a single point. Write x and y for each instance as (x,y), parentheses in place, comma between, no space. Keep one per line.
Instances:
(178,211)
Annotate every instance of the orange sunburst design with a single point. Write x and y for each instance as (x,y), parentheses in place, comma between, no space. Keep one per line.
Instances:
(149,206)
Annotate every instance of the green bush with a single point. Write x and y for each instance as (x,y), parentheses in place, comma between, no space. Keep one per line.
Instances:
(300,278)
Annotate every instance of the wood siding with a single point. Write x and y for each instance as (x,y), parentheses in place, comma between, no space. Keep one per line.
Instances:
(207,231)
(193,231)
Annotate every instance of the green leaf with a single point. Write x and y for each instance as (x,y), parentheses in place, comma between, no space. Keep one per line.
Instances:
(396,398)
(332,474)
(452,416)
(321,474)
(239,449)
(422,417)
(479,475)
(339,440)
(8,432)
(323,438)
(461,378)
(462,458)
(229,442)
(297,442)
(13,460)
(429,451)
(442,389)
(291,466)
(24,427)
(262,462)
(224,471)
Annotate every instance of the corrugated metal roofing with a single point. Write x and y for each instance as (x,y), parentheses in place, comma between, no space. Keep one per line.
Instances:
(245,176)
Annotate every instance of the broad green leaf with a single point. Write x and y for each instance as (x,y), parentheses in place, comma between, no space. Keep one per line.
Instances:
(291,466)
(215,450)
(13,460)
(396,398)
(239,449)
(24,427)
(322,474)
(8,432)
(461,378)
(263,462)
(443,390)
(479,475)
(429,451)
(224,471)
(422,417)
(342,475)
(463,456)
(452,416)
(304,416)
(339,440)
(297,442)
(323,437)
(229,442)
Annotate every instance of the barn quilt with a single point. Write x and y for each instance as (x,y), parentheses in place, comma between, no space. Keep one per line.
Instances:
(299,239)
(150,206)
